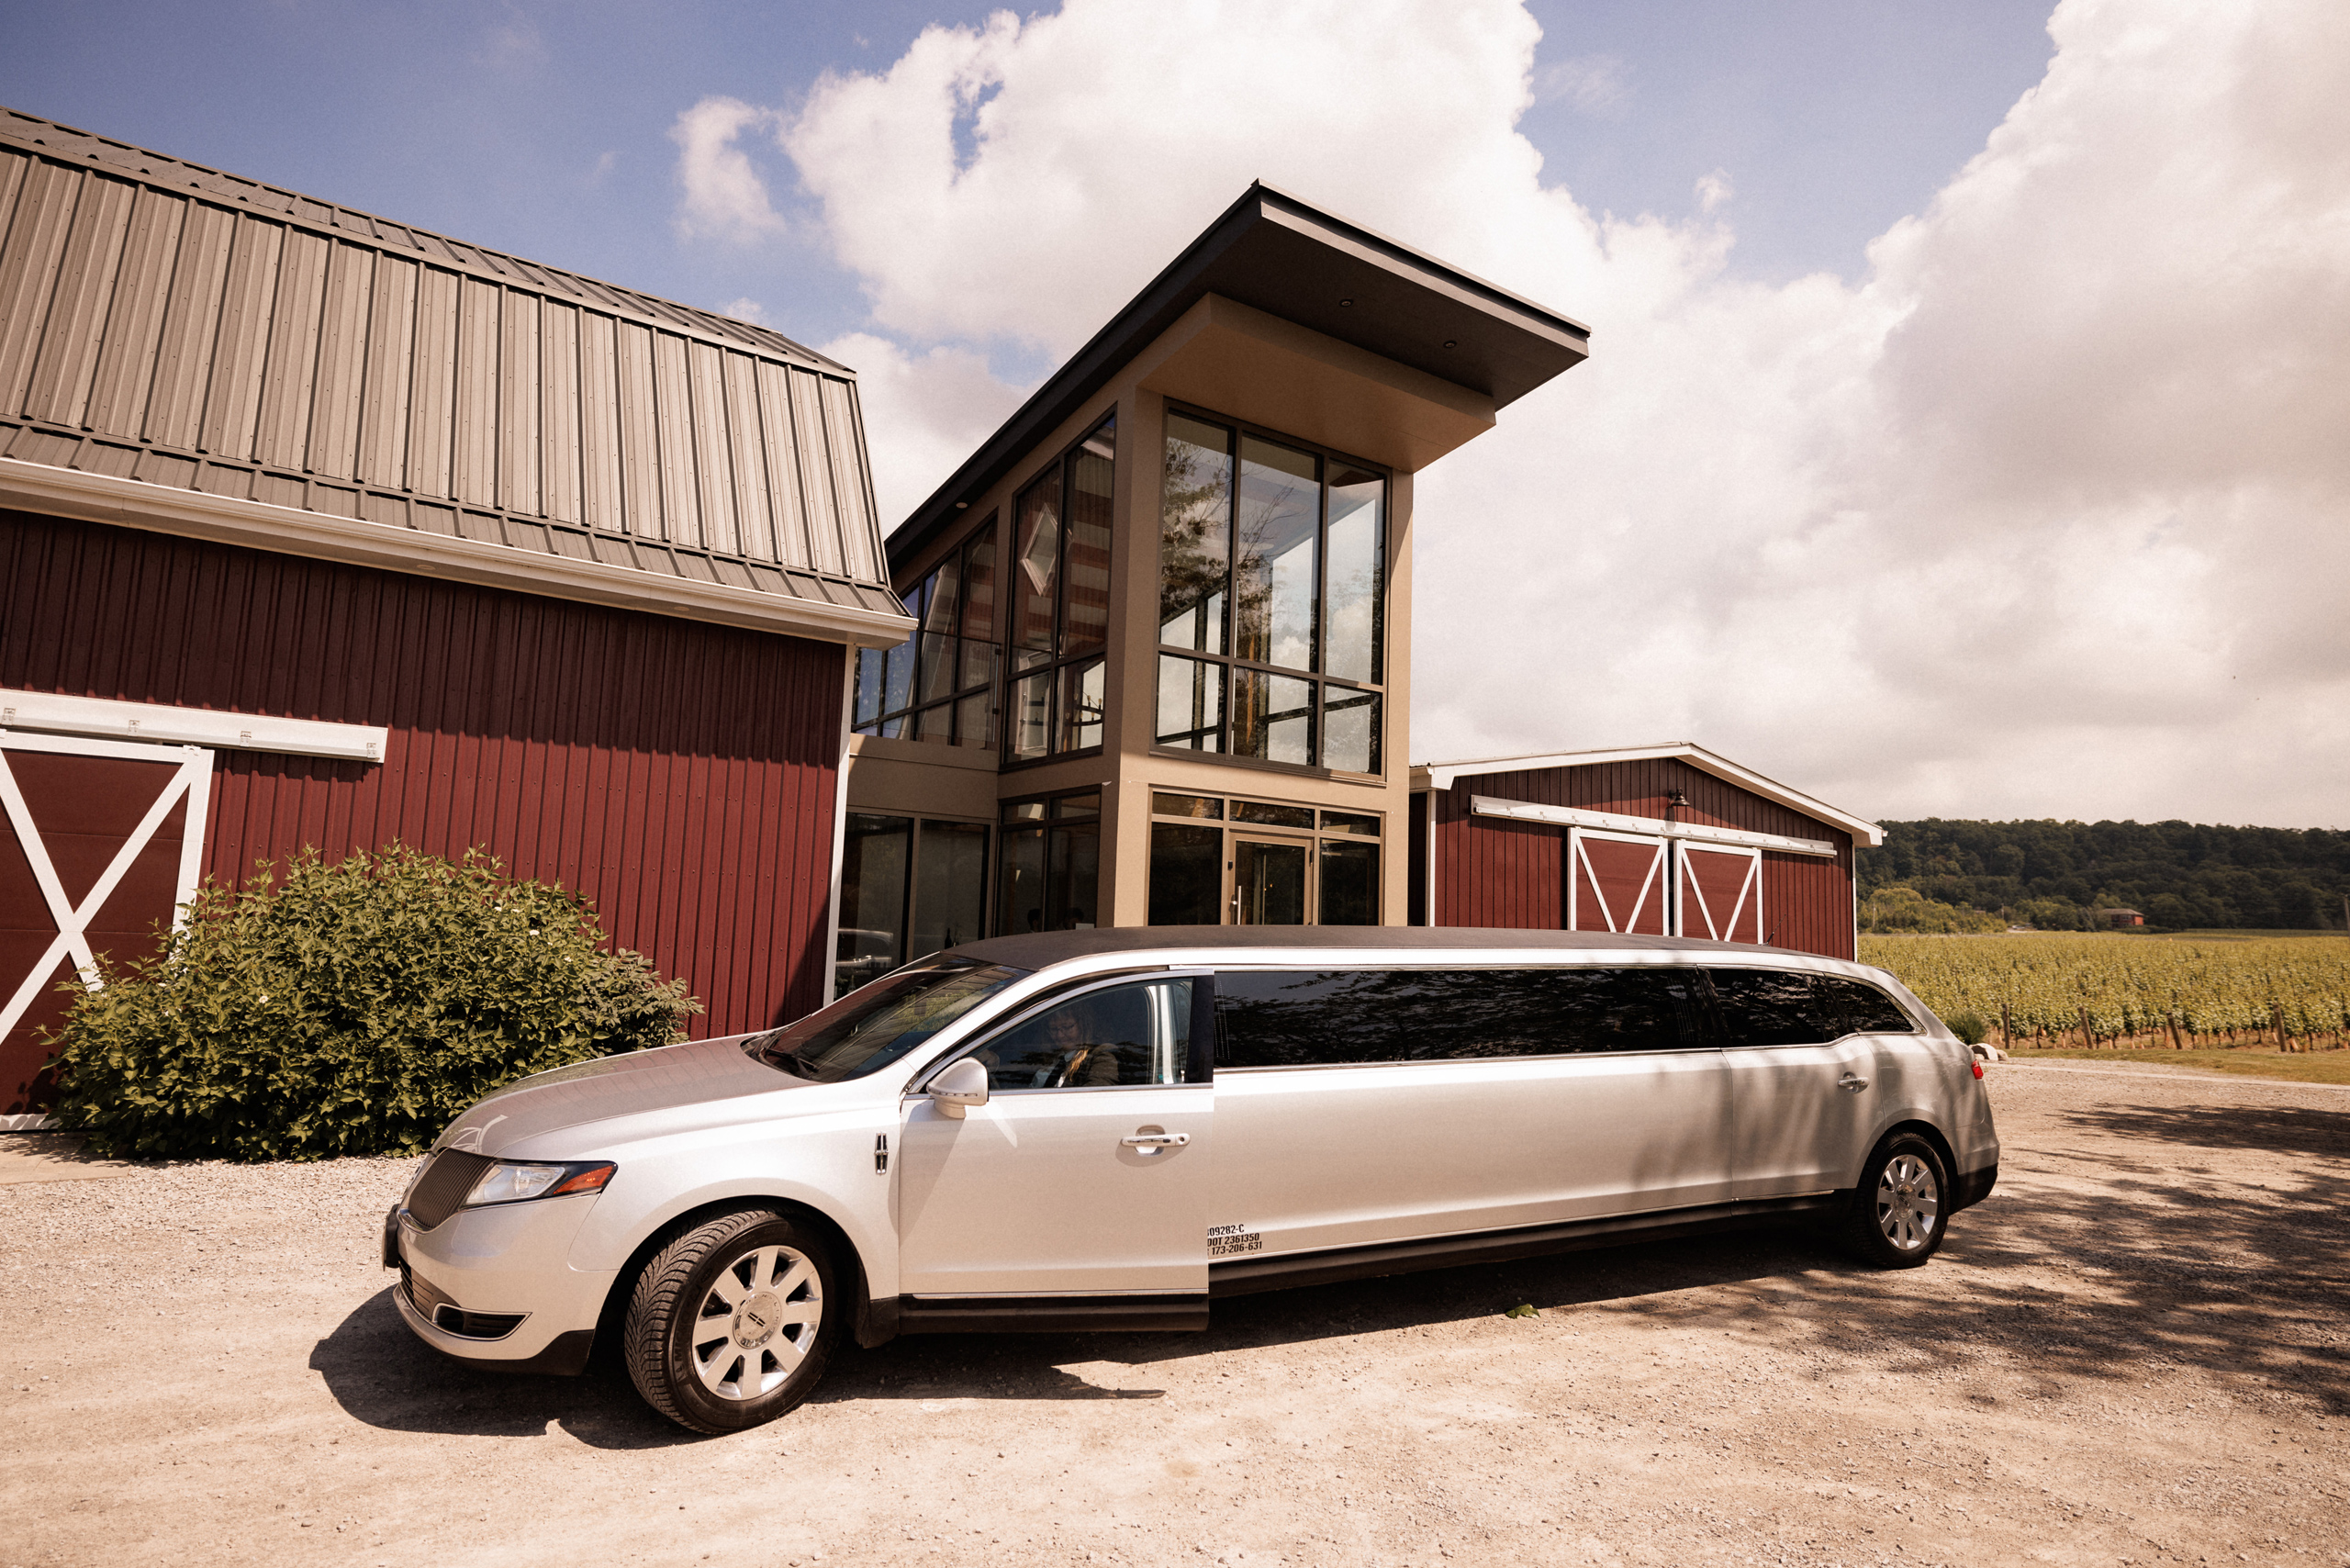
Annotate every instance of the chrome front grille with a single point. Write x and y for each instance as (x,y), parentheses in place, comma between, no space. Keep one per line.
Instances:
(446,1182)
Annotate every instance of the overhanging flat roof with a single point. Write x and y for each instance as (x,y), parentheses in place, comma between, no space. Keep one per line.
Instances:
(1442,775)
(1275,253)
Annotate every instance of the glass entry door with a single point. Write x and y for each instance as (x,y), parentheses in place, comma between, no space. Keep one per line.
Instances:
(1270,881)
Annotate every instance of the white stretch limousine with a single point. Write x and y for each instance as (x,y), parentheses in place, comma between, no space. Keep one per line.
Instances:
(1109,1129)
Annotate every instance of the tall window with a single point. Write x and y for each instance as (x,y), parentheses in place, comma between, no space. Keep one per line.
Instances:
(1058,578)
(1215,861)
(939,684)
(1271,600)
(909,887)
(1049,874)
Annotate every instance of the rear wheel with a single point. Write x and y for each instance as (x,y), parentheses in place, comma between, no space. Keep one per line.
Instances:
(731,1324)
(1902,1206)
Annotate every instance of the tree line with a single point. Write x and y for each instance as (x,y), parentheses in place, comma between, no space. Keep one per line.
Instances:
(2058,875)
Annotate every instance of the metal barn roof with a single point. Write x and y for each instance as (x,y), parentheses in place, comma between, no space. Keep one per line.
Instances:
(184,348)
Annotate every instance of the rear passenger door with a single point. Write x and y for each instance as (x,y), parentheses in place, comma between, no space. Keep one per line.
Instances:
(1804,1090)
(1360,1108)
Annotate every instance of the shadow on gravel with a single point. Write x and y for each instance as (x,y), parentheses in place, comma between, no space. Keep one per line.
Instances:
(2284,1129)
(382,1374)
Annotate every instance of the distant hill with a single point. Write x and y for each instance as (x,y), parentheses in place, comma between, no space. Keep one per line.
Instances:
(2182,876)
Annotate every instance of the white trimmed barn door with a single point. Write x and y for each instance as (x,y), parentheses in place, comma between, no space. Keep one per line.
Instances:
(99,840)
(1617,881)
(1719,893)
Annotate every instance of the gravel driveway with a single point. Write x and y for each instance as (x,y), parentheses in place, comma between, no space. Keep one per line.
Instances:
(2136,1352)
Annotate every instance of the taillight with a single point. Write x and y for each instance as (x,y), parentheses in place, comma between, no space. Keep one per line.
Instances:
(1977,1066)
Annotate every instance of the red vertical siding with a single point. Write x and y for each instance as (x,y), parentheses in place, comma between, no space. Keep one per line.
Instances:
(680,776)
(1807,900)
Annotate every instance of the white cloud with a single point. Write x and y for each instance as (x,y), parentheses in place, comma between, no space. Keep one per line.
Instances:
(745,309)
(924,412)
(1599,85)
(724,198)
(2043,516)
(1712,190)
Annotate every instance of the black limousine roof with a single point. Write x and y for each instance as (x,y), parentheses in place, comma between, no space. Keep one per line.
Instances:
(1035,950)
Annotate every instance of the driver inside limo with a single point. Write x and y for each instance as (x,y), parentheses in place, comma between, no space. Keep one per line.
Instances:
(1090,1042)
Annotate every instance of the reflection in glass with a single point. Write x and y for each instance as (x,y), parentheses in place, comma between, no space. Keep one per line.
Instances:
(941,666)
(979,587)
(1271,815)
(1351,606)
(1165,805)
(1191,704)
(1020,880)
(950,887)
(1272,717)
(875,851)
(1036,567)
(869,662)
(897,676)
(1349,730)
(1032,715)
(1349,885)
(1194,536)
(1186,875)
(1130,1036)
(1085,614)
(936,725)
(975,721)
(979,661)
(1269,883)
(1273,575)
(1081,706)
(1073,871)
(1350,822)
(1078,806)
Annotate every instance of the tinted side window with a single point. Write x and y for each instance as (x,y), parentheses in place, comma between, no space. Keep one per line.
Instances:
(1867,1011)
(1332,1017)
(1126,1035)
(1765,1007)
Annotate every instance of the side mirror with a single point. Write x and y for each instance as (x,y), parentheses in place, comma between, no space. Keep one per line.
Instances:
(962,1085)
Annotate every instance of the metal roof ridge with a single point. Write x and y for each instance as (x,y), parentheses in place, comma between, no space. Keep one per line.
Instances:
(399,236)
(1442,774)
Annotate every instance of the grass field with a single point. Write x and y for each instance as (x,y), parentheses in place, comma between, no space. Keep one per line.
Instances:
(2318,1066)
(2088,991)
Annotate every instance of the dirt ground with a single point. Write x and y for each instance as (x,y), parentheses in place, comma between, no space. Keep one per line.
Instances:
(2136,1352)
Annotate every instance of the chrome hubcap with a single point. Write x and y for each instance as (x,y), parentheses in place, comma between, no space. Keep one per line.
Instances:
(1909,1202)
(758,1322)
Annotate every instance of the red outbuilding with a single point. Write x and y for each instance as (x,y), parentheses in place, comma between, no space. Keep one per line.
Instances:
(1670,840)
(317,528)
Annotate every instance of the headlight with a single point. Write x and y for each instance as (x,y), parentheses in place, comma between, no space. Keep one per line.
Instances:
(509,1183)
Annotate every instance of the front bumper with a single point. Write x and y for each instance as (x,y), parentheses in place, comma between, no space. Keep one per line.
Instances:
(492,1287)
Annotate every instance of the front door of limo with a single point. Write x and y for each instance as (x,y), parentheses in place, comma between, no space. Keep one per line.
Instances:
(1359,1108)
(1084,1173)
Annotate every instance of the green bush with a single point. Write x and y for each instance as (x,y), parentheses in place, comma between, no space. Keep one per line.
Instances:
(1968,1026)
(348,1009)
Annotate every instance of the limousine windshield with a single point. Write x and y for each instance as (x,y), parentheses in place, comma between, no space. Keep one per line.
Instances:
(880,1022)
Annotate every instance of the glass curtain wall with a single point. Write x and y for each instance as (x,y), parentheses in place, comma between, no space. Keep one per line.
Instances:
(1271,572)
(1059,580)
(1050,864)
(909,887)
(939,685)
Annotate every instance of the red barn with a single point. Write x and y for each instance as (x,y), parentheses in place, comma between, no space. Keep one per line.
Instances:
(317,529)
(1671,840)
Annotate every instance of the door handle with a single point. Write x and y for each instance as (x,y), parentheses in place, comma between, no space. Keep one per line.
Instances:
(1157,1140)
(1853,1083)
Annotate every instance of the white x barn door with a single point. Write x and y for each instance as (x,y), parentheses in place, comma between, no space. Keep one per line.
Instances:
(1720,893)
(1617,881)
(99,839)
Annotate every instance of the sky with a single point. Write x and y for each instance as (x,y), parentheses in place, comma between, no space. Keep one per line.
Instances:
(1966,433)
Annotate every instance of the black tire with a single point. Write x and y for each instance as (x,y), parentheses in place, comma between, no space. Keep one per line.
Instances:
(713,1370)
(1901,1208)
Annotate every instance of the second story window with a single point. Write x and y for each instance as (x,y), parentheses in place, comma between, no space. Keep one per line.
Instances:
(1058,577)
(1272,593)
(939,685)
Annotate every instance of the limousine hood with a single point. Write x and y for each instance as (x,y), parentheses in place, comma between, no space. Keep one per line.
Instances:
(635,1084)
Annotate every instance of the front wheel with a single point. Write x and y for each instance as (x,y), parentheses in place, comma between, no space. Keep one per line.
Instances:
(730,1323)
(1902,1206)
